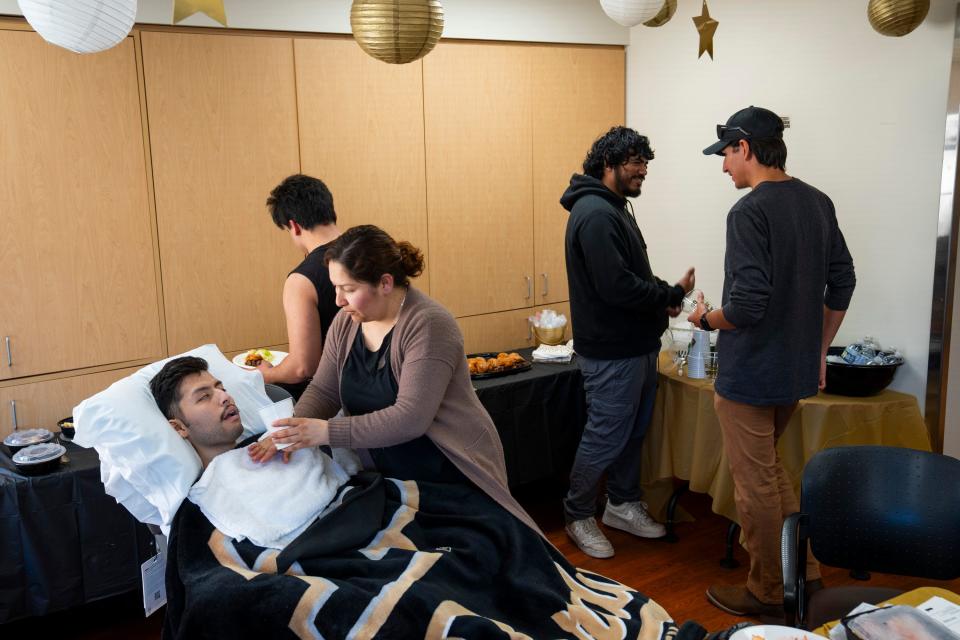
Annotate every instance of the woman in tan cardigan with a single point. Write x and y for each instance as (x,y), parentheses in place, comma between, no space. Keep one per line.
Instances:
(394,363)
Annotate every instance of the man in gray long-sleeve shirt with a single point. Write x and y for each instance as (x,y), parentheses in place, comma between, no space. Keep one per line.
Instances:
(788,279)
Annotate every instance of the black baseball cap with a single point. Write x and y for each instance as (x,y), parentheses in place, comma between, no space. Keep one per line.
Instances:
(752,122)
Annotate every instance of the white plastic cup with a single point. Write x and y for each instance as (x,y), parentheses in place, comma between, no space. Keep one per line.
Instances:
(276,411)
(700,344)
(696,366)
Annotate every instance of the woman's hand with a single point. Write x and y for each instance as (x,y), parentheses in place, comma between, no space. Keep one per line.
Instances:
(263,450)
(301,433)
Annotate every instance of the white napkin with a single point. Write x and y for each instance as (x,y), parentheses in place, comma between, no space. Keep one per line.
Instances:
(553,353)
(270,503)
(276,411)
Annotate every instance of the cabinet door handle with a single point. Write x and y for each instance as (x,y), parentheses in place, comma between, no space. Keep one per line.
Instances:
(13,413)
(546,283)
(9,351)
(529,331)
(529,287)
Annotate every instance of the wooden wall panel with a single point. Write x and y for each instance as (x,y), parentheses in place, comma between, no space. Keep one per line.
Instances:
(578,94)
(223,133)
(479,182)
(361,132)
(503,331)
(42,404)
(77,276)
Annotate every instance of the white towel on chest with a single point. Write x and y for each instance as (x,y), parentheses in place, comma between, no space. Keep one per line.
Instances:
(270,503)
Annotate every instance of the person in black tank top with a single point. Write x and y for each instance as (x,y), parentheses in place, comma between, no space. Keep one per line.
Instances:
(303,206)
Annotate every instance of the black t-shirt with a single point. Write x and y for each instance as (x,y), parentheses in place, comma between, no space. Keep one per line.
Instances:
(314,269)
(785,259)
(368,385)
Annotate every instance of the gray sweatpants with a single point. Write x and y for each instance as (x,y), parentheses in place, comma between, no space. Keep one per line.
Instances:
(620,397)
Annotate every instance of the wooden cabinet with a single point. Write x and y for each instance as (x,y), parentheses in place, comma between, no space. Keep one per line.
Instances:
(522,118)
(77,276)
(42,404)
(496,331)
(477,113)
(506,330)
(223,133)
(361,132)
(151,164)
(578,94)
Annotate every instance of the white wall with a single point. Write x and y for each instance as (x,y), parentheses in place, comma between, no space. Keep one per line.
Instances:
(867,125)
(576,21)
(951,439)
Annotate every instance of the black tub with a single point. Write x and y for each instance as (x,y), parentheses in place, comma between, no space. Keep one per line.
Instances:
(38,459)
(66,427)
(857,379)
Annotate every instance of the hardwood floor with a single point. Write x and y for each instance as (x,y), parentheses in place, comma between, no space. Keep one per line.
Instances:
(675,575)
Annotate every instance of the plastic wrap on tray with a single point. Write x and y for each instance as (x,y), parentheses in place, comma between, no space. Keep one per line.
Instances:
(900,622)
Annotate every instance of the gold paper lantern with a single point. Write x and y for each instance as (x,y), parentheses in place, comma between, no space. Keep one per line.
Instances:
(666,12)
(896,17)
(397,31)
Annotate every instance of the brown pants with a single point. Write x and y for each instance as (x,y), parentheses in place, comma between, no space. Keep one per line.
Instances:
(762,491)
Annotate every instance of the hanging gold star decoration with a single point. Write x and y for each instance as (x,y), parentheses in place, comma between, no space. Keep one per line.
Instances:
(183,9)
(706,26)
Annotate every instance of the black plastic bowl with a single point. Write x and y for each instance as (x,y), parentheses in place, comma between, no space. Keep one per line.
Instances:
(14,448)
(66,427)
(857,379)
(35,465)
(39,468)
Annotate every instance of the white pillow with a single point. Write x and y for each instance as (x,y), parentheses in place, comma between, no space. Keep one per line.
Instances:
(144,464)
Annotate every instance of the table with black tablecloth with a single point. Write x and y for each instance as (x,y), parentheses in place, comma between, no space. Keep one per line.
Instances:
(539,415)
(63,541)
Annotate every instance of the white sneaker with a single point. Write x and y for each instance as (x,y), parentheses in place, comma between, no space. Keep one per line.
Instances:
(587,535)
(632,517)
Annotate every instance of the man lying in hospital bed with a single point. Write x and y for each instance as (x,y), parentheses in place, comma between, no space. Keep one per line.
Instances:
(237,495)
(391,559)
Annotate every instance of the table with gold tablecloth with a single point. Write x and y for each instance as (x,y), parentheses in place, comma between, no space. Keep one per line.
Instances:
(911,599)
(684,439)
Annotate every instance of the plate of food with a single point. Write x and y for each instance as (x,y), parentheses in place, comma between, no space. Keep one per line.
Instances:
(251,359)
(774,632)
(492,365)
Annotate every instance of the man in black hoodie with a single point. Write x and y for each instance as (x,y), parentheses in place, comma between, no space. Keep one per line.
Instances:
(619,312)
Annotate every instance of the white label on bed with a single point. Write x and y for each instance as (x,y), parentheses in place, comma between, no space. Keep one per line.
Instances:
(154,589)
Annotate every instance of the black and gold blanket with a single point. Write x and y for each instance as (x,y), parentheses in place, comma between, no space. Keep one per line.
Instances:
(396,560)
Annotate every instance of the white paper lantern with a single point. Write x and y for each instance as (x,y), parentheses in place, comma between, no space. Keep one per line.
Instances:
(631,12)
(83,26)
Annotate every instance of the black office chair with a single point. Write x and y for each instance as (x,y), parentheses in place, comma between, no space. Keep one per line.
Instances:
(276,393)
(868,508)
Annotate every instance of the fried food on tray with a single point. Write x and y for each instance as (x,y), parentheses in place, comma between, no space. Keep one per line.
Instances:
(478,365)
(502,362)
